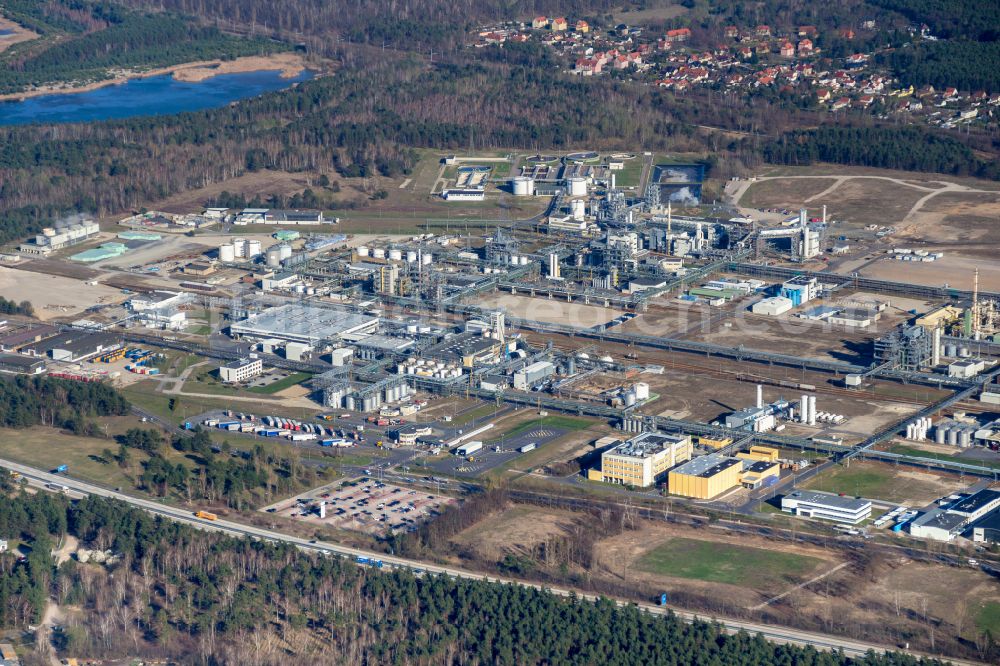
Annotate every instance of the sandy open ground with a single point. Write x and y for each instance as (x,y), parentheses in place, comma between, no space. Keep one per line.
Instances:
(554,311)
(953,270)
(51,295)
(18,34)
(289,64)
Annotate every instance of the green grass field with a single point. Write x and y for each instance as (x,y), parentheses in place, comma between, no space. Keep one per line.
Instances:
(988,617)
(47,449)
(555,422)
(874,481)
(725,563)
(629,176)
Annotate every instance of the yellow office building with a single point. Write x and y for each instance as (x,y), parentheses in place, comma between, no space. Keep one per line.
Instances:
(642,460)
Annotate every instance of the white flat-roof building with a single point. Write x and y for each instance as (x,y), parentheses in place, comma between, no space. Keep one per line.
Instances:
(826,506)
(241,370)
(773,306)
(296,322)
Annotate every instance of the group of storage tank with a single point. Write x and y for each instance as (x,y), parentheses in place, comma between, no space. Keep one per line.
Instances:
(421,367)
(277,253)
(955,351)
(395,254)
(239,248)
(954,434)
(917,430)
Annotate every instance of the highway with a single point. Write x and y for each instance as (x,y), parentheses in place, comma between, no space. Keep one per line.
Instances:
(40,478)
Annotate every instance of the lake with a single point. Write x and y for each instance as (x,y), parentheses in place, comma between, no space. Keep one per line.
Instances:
(153,96)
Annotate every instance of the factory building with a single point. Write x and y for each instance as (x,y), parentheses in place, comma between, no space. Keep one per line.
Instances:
(800,290)
(773,306)
(826,506)
(59,237)
(295,322)
(467,349)
(705,477)
(759,473)
(73,346)
(21,365)
(530,375)
(241,370)
(643,460)
(25,335)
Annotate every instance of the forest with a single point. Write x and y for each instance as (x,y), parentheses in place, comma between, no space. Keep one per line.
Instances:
(83,41)
(60,403)
(203,598)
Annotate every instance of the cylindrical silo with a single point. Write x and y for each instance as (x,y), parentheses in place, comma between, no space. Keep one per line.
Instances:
(349,402)
(273,256)
(953,436)
(363,251)
(411,256)
(427,259)
(240,247)
(804,408)
(576,187)
(378,253)
(227,253)
(285,250)
(940,434)
(395,255)
(253,249)
(965,438)
(523,186)
(578,207)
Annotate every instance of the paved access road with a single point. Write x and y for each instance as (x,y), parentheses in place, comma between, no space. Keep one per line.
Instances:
(77,488)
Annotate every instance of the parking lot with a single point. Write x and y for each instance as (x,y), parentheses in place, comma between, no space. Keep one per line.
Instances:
(363,504)
(488,457)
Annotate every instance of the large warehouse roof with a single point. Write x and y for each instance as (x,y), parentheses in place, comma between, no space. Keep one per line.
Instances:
(303,323)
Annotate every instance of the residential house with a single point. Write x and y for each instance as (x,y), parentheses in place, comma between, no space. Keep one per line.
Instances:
(560,24)
(539,22)
(787,50)
(805,47)
(763,31)
(582,27)
(841,103)
(732,32)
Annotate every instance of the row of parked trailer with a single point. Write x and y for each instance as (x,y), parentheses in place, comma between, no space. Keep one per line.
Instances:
(274,426)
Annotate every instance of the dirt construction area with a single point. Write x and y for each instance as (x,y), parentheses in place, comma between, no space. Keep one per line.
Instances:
(52,295)
(363,505)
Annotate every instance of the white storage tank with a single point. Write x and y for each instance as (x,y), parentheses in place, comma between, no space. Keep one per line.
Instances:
(273,256)
(411,256)
(524,260)
(240,246)
(253,249)
(523,186)
(427,259)
(227,253)
(363,251)
(578,207)
(395,255)
(641,391)
(576,187)
(285,250)
(378,253)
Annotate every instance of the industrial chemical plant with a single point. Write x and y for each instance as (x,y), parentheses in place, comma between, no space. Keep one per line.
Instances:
(730,365)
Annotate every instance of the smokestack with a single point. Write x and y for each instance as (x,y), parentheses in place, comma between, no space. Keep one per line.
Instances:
(824,213)
(760,396)
(670,217)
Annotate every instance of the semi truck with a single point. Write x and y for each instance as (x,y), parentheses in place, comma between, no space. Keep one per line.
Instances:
(205,515)
(468,448)
(528,447)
